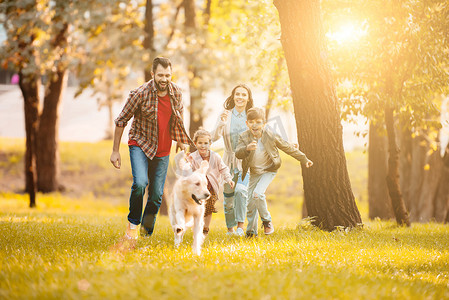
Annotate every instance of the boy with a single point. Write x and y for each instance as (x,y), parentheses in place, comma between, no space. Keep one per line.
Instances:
(258,149)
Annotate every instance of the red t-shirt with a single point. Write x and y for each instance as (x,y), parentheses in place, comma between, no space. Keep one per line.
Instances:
(163,122)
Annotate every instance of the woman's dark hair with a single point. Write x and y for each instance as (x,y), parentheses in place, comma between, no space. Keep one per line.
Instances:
(163,61)
(230,104)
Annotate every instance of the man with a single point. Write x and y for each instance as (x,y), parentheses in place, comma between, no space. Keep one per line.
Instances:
(157,110)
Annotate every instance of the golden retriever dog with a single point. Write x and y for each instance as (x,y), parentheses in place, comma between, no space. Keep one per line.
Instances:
(187,205)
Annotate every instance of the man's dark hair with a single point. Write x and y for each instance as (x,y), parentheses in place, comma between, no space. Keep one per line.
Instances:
(163,61)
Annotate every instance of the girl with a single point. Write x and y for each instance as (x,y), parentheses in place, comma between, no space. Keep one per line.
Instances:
(217,170)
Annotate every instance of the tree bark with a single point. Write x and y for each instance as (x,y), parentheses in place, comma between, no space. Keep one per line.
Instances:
(30,90)
(47,151)
(327,189)
(397,202)
(379,202)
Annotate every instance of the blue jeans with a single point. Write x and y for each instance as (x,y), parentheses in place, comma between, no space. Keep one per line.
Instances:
(257,203)
(235,200)
(151,173)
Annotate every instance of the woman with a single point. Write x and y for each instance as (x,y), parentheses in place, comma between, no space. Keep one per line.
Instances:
(231,124)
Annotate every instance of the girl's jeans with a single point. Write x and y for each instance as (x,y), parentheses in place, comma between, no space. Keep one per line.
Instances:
(146,171)
(258,184)
(235,200)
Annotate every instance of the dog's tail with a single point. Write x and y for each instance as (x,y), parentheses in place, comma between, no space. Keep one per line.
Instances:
(183,167)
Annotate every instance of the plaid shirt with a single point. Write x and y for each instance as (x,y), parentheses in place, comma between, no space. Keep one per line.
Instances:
(142,104)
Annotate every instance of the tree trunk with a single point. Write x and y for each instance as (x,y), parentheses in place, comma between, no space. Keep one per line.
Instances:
(405,165)
(109,135)
(378,199)
(397,202)
(429,191)
(442,195)
(327,189)
(418,161)
(47,151)
(273,85)
(207,11)
(196,100)
(30,90)
(195,80)
(148,42)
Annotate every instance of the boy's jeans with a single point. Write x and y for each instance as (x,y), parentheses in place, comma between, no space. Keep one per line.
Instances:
(235,200)
(258,184)
(154,172)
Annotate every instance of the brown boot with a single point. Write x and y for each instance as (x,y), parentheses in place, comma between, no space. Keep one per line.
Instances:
(268,227)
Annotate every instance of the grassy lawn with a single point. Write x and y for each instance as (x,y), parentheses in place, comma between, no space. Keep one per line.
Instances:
(62,249)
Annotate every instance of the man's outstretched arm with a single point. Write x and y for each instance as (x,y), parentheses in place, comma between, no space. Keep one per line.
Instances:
(115,156)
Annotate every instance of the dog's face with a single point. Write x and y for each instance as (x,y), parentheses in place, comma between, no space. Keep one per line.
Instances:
(197,184)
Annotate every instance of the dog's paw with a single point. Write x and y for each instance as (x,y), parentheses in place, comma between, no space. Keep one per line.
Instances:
(197,251)
(179,230)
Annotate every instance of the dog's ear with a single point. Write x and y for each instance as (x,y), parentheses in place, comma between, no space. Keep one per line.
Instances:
(204,167)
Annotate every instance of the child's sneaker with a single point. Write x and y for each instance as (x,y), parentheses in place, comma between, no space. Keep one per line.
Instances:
(230,232)
(267,227)
(239,232)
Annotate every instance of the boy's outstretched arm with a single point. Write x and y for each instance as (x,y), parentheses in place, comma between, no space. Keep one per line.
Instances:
(293,151)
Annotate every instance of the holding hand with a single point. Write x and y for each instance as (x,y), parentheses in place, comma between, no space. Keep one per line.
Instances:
(252,146)
(188,157)
(231,183)
(181,146)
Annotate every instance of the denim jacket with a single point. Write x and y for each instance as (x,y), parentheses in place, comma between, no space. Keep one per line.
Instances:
(272,142)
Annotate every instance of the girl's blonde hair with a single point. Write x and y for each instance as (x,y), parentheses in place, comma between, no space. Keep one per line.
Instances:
(201,133)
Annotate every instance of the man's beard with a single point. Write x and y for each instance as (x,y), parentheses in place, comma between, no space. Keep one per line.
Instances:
(159,88)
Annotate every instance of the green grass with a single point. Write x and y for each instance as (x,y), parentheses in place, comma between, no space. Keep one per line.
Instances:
(62,249)
(64,252)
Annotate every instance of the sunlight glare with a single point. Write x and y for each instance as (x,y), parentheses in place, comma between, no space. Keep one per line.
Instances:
(346,33)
